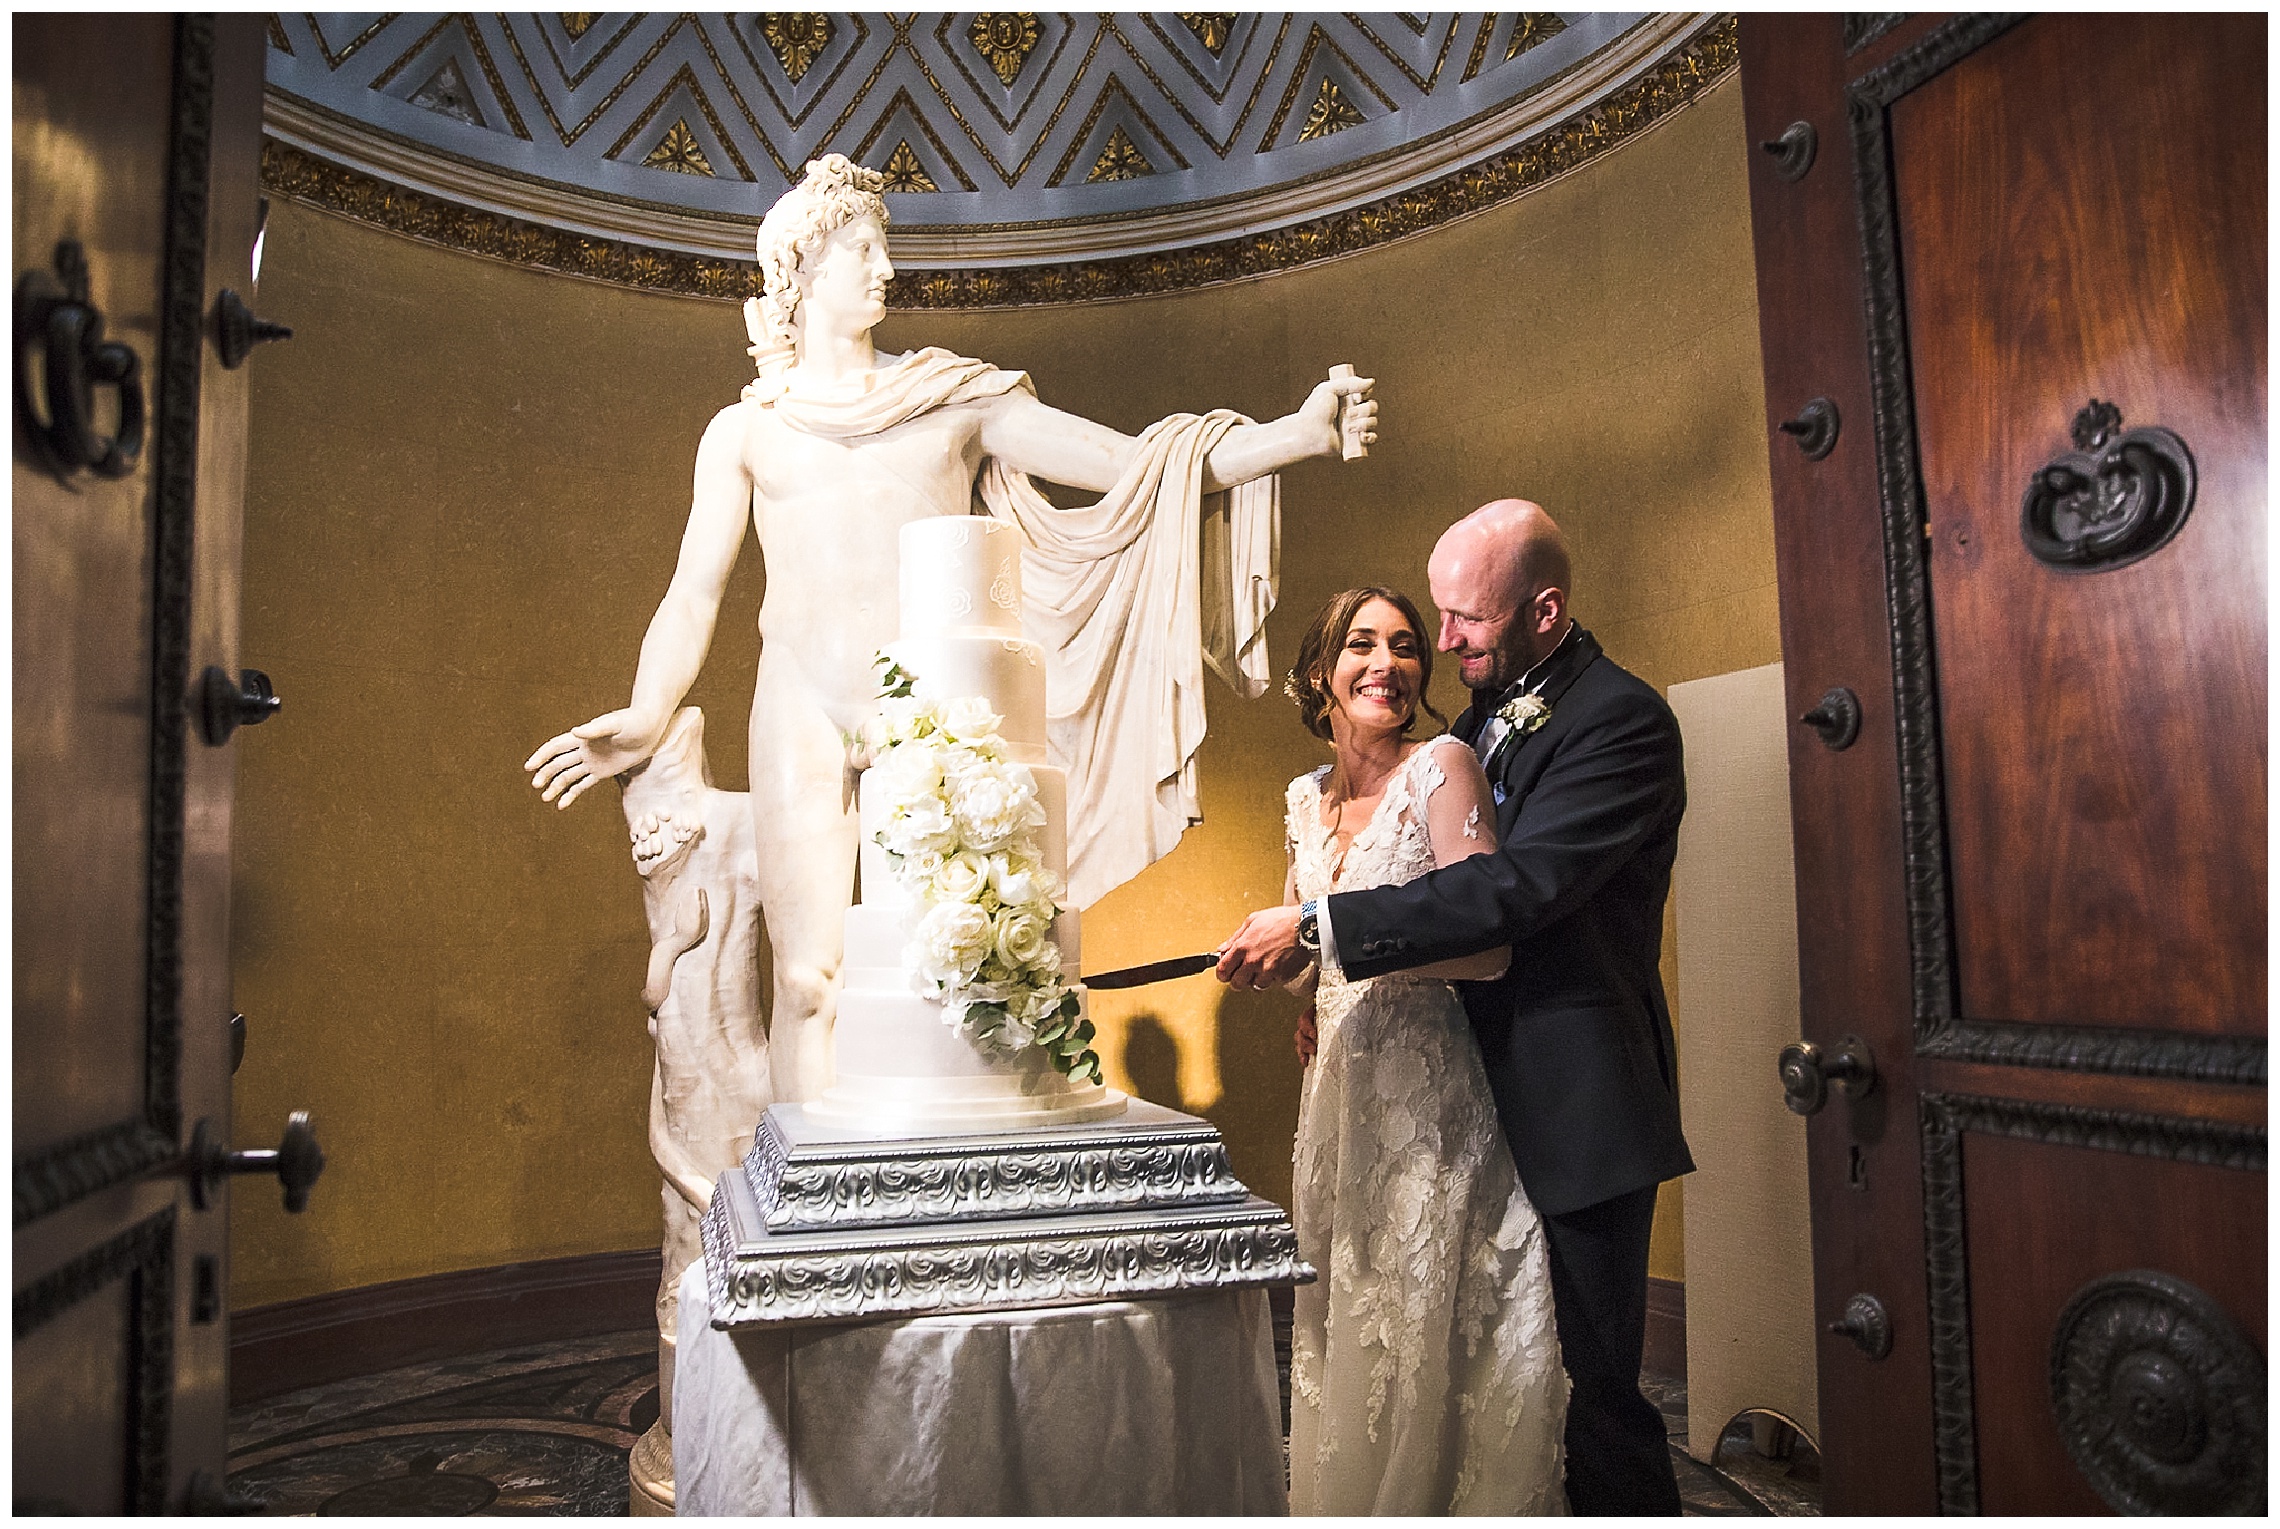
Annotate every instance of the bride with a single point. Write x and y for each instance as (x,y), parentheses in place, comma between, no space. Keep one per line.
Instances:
(1425,1370)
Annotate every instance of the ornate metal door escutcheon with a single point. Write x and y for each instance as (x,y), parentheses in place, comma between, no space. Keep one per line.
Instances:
(1867,1323)
(2115,498)
(1807,1074)
(57,324)
(1793,151)
(1836,717)
(1814,429)
(2160,1397)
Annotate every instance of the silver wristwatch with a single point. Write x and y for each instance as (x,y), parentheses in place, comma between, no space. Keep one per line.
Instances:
(1310,925)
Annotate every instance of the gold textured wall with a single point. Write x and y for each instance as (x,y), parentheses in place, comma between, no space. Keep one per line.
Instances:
(466,491)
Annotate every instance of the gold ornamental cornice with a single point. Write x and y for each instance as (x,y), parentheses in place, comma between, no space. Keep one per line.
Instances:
(1704,60)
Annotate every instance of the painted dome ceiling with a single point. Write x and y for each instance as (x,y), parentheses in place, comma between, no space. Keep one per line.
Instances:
(1016,145)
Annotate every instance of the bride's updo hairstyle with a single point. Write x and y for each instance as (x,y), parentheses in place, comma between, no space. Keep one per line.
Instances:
(1308,682)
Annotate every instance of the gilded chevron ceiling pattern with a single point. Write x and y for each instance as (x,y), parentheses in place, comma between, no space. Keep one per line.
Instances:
(1007,137)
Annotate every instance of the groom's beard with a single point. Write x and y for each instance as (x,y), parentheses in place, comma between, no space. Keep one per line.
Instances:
(1509,669)
(1504,671)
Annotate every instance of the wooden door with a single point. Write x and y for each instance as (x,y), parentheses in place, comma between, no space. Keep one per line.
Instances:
(2031,887)
(136,148)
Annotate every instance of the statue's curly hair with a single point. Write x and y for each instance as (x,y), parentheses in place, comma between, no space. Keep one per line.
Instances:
(835,193)
(1308,682)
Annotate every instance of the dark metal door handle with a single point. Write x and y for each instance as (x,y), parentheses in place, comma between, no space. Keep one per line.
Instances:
(225,705)
(56,323)
(2119,495)
(237,331)
(1867,1323)
(1807,1074)
(297,1161)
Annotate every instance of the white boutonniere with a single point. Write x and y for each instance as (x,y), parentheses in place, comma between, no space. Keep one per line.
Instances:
(1523,714)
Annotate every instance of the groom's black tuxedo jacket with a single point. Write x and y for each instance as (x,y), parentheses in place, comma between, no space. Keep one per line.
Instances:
(1576,1034)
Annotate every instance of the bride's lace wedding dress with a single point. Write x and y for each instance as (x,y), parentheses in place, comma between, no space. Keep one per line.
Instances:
(1425,1370)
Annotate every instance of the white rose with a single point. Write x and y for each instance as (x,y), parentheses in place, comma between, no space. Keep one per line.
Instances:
(950,941)
(1020,882)
(906,771)
(958,762)
(992,805)
(909,717)
(960,878)
(969,717)
(1020,937)
(921,826)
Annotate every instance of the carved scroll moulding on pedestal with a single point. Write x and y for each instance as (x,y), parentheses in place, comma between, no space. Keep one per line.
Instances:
(2160,1397)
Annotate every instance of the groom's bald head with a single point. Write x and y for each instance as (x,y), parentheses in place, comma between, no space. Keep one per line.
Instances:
(1500,577)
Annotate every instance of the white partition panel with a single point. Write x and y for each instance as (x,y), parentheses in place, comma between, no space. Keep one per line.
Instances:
(1749,1251)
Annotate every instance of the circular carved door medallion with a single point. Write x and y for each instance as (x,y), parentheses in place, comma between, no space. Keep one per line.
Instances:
(2159,1397)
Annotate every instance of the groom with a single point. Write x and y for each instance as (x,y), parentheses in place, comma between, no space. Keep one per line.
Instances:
(1585,762)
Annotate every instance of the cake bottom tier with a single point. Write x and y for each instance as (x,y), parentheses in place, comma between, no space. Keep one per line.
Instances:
(901,1069)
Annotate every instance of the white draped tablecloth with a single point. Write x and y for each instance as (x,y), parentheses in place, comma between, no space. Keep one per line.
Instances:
(1166,1405)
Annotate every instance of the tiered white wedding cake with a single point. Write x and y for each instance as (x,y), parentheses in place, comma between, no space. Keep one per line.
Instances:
(906,1062)
(968,1157)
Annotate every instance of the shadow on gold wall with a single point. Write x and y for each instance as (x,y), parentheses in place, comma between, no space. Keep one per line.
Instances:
(466,492)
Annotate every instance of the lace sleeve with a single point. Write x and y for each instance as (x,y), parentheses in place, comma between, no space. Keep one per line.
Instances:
(1300,810)
(1460,811)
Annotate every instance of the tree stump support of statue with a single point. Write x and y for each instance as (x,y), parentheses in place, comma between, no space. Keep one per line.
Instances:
(692,844)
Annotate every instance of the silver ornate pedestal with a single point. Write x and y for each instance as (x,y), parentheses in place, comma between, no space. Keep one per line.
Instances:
(824,1224)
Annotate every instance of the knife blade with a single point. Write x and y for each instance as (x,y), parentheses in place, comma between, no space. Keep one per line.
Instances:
(1154,971)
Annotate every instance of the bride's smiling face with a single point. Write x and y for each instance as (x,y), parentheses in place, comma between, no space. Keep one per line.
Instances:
(1374,685)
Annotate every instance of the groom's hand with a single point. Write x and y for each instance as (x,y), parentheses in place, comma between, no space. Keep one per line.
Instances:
(1265,952)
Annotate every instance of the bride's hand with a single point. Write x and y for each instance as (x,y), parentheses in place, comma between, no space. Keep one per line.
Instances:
(1265,952)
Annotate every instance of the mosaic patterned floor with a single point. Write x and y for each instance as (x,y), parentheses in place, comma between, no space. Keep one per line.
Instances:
(538,1430)
(545,1429)
(1742,1483)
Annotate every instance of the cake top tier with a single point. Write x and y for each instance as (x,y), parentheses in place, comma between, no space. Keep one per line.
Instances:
(960,573)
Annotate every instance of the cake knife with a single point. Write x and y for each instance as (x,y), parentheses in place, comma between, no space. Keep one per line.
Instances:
(1154,971)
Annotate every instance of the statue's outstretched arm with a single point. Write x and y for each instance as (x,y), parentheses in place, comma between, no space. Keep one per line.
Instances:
(1045,442)
(679,634)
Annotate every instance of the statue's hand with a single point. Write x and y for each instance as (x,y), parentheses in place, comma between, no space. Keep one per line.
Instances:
(566,764)
(1357,426)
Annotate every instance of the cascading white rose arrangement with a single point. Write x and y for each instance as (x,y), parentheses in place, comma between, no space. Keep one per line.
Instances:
(962,831)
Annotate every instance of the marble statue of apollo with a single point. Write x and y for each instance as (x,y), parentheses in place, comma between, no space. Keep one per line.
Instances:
(831,450)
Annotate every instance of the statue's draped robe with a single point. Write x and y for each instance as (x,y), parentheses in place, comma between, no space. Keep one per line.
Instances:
(1130,597)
